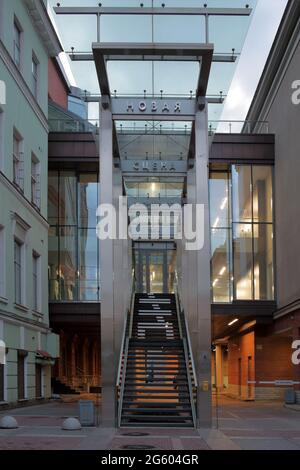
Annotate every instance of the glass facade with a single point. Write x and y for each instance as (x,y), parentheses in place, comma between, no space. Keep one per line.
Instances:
(73,248)
(241,212)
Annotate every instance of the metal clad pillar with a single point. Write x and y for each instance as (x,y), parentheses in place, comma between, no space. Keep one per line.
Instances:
(203,328)
(108,360)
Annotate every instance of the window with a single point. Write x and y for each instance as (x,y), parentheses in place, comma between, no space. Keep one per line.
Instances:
(252,190)
(73,245)
(18,164)
(241,215)
(17,43)
(2,264)
(36,283)
(1,139)
(34,73)
(35,182)
(18,272)
(220,236)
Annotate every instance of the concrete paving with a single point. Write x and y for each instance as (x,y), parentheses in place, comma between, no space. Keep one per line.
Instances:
(237,425)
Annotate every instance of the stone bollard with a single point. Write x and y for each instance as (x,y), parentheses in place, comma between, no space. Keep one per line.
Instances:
(71,424)
(8,422)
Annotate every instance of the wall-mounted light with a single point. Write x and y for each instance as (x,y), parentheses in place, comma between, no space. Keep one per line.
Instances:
(233,322)
(222,270)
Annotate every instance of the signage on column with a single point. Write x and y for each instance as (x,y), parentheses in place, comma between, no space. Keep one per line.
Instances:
(153,166)
(149,106)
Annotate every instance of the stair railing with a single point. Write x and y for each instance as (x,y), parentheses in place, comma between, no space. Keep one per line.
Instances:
(188,353)
(127,333)
(121,392)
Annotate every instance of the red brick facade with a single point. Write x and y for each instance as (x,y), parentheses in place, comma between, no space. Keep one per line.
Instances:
(58,89)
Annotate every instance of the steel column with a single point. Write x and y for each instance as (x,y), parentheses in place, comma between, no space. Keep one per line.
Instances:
(108,362)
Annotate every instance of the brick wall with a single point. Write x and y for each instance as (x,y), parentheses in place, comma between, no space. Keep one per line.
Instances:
(241,366)
(57,88)
(273,362)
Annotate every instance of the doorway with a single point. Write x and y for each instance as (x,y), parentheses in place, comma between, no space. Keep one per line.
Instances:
(38,381)
(155,266)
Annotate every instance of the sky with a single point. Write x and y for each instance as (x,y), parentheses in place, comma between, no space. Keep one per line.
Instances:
(239,81)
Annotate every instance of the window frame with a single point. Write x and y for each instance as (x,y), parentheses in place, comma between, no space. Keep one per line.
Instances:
(17,44)
(18,263)
(3,265)
(35,76)
(18,160)
(35,181)
(36,282)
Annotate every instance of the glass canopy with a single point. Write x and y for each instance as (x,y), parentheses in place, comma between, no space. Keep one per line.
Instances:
(154,140)
(227,33)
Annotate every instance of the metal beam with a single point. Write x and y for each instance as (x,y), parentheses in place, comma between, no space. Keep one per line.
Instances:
(170,52)
(153,11)
(87,57)
(210,99)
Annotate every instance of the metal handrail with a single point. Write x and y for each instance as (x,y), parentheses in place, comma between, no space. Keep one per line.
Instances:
(122,349)
(123,382)
(128,318)
(186,355)
(190,349)
(127,333)
(178,310)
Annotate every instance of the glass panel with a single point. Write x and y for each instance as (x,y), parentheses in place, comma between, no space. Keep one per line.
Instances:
(147,140)
(242,261)
(53,269)
(88,265)
(88,200)
(172,258)
(156,273)
(220,265)
(241,193)
(18,273)
(262,193)
(190,29)
(67,272)
(219,199)
(53,197)
(263,262)
(67,198)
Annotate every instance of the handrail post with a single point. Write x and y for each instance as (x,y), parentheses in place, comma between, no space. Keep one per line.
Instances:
(123,382)
(189,381)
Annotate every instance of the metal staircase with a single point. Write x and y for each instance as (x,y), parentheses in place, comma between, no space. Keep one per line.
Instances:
(155,384)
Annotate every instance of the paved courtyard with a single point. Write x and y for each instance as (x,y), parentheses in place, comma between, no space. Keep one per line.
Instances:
(241,425)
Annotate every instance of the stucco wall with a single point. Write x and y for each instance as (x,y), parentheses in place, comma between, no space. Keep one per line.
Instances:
(284,118)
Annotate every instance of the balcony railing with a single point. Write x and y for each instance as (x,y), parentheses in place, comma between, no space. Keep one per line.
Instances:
(74,126)
(238,127)
(220,127)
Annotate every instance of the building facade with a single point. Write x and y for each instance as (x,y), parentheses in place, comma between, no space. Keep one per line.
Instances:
(226,291)
(276,100)
(27,40)
(145,321)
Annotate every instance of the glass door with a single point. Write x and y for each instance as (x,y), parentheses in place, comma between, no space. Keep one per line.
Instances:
(156,275)
(155,270)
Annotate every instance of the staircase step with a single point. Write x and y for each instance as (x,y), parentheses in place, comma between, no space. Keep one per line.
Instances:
(158,418)
(156,391)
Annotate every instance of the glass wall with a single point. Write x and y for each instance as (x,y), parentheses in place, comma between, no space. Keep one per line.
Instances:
(73,248)
(241,211)
(220,236)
